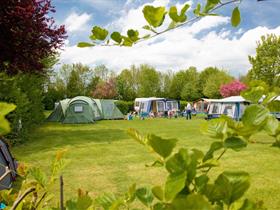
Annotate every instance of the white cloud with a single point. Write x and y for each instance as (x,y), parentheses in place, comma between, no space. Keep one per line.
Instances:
(75,22)
(177,49)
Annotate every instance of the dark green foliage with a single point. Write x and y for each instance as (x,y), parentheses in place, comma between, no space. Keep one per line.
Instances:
(125,106)
(26,92)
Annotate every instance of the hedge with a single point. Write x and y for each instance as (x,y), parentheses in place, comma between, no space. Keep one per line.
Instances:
(125,106)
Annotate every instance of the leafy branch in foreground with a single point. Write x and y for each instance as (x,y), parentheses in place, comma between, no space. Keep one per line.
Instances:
(155,17)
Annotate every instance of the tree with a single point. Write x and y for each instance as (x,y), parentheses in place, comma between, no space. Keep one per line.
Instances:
(214,82)
(266,63)
(106,89)
(165,83)
(149,82)
(233,88)
(126,85)
(204,75)
(75,86)
(28,36)
(177,84)
(190,90)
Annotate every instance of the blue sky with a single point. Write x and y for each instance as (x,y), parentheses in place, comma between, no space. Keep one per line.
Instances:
(167,52)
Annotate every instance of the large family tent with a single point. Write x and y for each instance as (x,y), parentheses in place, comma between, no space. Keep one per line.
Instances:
(82,109)
(233,107)
(59,111)
(8,167)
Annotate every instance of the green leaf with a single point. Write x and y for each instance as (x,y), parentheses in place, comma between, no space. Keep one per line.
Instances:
(254,94)
(137,136)
(173,14)
(163,147)
(39,176)
(106,201)
(235,17)
(174,184)
(210,5)
(201,182)
(217,145)
(235,143)
(196,11)
(272,126)
(209,163)
(127,41)
(158,192)
(154,15)
(216,128)
(85,44)
(117,37)
(145,195)
(98,33)
(5,108)
(133,35)
(255,115)
(232,185)
(191,202)
(178,162)
(131,194)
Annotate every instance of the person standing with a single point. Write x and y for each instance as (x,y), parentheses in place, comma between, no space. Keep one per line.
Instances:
(189,111)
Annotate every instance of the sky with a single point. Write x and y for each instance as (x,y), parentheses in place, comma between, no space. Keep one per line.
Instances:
(211,41)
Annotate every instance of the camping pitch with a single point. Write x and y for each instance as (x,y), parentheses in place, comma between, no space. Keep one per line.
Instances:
(83,109)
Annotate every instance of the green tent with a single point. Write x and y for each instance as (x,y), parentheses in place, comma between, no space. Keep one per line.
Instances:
(59,111)
(83,109)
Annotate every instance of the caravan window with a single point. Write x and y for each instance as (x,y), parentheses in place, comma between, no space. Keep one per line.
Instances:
(228,110)
(78,108)
(160,106)
(172,105)
(169,105)
(215,109)
(143,106)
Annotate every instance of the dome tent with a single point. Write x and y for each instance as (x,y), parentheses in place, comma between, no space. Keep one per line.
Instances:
(82,109)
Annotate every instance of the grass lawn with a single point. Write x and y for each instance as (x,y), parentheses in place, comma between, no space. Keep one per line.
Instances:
(101,157)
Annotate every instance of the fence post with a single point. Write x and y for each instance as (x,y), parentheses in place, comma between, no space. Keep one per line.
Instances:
(61,193)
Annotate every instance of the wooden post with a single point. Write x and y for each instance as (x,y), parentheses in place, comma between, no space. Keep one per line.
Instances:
(61,193)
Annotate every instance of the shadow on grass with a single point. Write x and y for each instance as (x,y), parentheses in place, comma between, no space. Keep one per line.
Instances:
(52,140)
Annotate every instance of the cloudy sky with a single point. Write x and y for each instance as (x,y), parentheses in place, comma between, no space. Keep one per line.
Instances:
(211,41)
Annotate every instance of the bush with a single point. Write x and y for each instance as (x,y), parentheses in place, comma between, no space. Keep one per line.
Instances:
(183,104)
(125,106)
(26,92)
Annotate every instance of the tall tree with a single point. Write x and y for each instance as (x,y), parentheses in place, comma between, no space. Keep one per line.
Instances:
(190,90)
(214,82)
(266,63)
(106,89)
(27,35)
(149,83)
(203,77)
(126,85)
(177,84)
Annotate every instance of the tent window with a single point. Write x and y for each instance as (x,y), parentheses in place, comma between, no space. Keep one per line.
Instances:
(228,110)
(78,108)
(160,106)
(169,105)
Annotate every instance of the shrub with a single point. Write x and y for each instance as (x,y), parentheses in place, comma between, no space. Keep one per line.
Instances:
(125,106)
(26,92)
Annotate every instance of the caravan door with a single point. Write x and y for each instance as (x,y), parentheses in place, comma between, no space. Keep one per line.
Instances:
(160,106)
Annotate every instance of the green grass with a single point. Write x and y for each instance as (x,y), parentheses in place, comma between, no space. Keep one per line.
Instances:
(102,158)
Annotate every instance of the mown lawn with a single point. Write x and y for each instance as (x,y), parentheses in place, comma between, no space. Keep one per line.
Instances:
(101,157)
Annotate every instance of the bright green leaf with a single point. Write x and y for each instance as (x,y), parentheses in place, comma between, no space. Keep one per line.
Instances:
(145,195)
(178,162)
(201,181)
(255,115)
(191,202)
(272,126)
(163,147)
(117,37)
(133,35)
(235,17)
(217,145)
(196,11)
(6,108)
(236,143)
(173,14)
(158,192)
(98,33)
(137,136)
(174,184)
(85,44)
(154,15)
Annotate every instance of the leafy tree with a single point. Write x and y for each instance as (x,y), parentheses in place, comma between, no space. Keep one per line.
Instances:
(74,86)
(126,85)
(266,63)
(214,82)
(165,83)
(177,84)
(190,90)
(233,88)
(102,72)
(149,83)
(92,85)
(28,36)
(105,89)
(204,75)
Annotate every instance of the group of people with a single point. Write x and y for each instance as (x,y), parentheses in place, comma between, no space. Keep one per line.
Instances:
(170,113)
